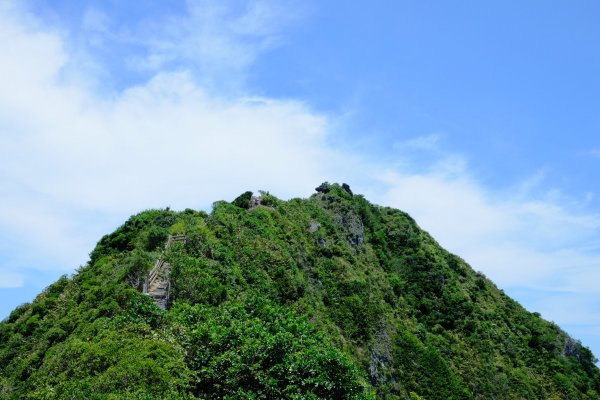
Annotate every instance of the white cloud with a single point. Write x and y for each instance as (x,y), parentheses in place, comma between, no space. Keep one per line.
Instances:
(514,239)
(217,40)
(66,152)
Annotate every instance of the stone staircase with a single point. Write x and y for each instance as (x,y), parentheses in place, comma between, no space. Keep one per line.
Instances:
(157,283)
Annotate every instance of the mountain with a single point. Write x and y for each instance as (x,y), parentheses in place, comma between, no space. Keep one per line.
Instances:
(327,297)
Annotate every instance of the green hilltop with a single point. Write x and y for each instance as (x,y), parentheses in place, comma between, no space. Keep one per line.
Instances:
(329,297)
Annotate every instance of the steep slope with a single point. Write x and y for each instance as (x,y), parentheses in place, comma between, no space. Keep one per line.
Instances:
(327,297)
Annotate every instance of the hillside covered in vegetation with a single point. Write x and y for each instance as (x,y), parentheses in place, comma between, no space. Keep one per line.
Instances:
(329,297)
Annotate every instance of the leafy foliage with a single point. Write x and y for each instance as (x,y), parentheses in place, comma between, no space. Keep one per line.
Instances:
(328,297)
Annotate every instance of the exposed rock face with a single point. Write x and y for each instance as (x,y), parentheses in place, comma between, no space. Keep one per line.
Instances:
(353,226)
(381,358)
(570,349)
(314,226)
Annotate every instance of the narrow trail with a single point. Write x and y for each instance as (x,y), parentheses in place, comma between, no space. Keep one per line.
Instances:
(157,283)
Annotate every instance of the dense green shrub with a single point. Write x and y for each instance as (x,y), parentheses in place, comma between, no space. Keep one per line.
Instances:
(299,299)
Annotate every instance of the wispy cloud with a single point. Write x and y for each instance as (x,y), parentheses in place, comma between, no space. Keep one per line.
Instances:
(164,142)
(517,240)
(214,40)
(427,143)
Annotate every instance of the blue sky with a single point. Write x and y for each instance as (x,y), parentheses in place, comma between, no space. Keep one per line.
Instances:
(478,118)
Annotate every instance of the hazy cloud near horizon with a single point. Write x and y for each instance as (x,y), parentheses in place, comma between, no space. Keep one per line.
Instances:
(76,160)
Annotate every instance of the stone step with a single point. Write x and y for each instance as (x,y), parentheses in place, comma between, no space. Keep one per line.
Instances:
(157,282)
(157,285)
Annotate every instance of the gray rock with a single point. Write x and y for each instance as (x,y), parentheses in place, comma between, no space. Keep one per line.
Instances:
(570,349)
(324,187)
(346,187)
(314,226)
(381,358)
